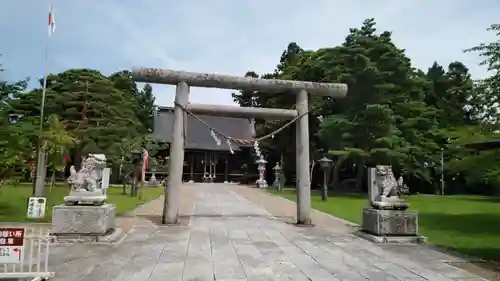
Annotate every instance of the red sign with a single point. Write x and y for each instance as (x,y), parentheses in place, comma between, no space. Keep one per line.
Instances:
(11,237)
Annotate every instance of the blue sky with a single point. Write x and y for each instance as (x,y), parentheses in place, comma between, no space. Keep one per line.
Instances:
(227,36)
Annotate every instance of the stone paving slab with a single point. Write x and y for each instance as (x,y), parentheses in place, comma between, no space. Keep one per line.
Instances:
(231,238)
(286,211)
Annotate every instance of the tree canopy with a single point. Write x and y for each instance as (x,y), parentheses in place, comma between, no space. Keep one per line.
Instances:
(393,114)
(85,111)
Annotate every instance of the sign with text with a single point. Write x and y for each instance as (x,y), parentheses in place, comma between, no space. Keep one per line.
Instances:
(11,245)
(36,207)
(106,173)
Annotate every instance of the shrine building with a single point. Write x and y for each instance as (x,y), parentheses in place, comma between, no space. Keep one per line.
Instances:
(208,158)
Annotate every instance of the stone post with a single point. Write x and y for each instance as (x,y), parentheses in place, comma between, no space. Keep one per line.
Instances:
(172,196)
(373,190)
(303,184)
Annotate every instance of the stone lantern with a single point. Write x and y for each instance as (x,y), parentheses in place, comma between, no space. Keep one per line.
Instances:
(277,176)
(325,165)
(261,167)
(152,179)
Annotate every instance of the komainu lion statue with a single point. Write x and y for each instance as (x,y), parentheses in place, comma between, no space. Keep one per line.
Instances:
(86,183)
(389,189)
(89,176)
(386,181)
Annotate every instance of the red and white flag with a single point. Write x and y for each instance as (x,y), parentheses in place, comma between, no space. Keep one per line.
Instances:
(52,21)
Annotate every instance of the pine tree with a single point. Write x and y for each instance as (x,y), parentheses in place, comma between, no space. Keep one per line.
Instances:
(94,111)
(142,99)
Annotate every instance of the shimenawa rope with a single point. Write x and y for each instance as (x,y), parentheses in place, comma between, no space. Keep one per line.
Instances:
(237,140)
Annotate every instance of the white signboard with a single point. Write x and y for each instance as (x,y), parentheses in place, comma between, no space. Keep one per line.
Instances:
(36,207)
(11,245)
(106,173)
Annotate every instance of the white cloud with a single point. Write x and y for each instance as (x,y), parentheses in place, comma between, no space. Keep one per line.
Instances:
(230,37)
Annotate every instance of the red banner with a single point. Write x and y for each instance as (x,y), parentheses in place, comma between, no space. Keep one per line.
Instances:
(11,236)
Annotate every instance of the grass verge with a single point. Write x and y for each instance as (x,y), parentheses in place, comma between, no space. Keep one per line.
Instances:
(13,200)
(467,224)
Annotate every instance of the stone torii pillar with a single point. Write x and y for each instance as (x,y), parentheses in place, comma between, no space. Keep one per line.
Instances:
(184,80)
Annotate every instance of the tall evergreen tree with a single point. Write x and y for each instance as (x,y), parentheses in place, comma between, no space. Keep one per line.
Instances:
(16,143)
(142,99)
(246,98)
(95,112)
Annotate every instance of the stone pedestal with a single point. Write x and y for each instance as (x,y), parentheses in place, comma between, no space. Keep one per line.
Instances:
(83,220)
(261,183)
(390,226)
(390,222)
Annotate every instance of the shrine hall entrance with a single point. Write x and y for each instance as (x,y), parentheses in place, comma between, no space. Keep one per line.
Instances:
(214,166)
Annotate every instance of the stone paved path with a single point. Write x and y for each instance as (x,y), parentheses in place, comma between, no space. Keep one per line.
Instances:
(149,214)
(231,238)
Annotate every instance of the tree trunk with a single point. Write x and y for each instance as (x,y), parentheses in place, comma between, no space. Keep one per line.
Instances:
(52,181)
(135,183)
(124,184)
(77,158)
(360,173)
(124,189)
(336,172)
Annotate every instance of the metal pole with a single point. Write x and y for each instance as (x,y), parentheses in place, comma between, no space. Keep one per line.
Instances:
(302,150)
(39,183)
(324,190)
(442,171)
(175,167)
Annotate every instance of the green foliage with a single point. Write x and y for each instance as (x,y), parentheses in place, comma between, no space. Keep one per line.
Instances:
(98,112)
(393,113)
(15,135)
(57,141)
(480,169)
(142,100)
(120,154)
(85,112)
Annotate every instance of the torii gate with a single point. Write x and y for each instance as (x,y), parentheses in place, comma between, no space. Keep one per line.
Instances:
(184,80)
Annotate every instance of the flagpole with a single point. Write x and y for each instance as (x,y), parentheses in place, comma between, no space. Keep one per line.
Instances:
(39,184)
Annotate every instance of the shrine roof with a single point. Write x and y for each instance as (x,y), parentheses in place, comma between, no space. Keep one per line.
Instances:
(198,135)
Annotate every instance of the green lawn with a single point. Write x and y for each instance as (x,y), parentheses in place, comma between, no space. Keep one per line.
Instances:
(13,200)
(464,223)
